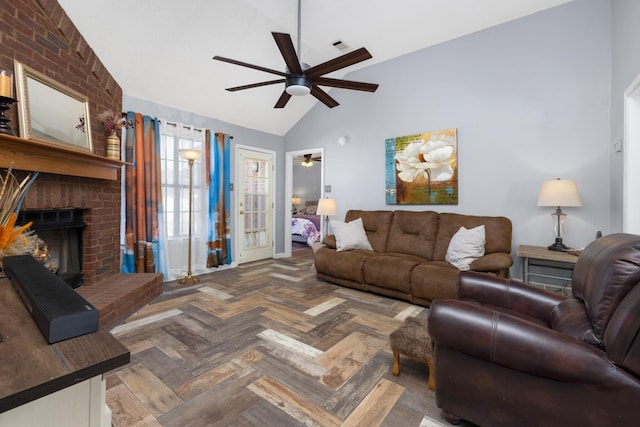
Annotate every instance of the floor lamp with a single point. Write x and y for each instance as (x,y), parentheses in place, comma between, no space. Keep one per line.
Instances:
(190,155)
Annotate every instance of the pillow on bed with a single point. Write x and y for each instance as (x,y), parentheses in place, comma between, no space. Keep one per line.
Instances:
(350,235)
(465,247)
(309,210)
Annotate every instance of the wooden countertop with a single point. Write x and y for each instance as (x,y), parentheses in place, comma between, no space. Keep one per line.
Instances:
(31,368)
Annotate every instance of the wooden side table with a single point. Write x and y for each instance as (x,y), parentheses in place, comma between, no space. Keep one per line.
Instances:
(542,257)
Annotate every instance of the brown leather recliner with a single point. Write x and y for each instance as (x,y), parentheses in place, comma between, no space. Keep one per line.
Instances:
(510,354)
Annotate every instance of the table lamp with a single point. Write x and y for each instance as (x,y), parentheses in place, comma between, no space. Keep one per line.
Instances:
(326,207)
(295,201)
(559,192)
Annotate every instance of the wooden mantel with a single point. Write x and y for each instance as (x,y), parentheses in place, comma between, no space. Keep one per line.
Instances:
(31,155)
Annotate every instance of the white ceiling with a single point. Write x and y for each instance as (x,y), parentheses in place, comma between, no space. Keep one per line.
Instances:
(161,50)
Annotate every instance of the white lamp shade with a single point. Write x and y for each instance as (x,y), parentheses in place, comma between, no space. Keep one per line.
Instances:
(295,200)
(559,192)
(327,207)
(190,154)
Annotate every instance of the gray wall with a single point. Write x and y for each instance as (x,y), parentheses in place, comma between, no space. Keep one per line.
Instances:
(530,100)
(306,183)
(625,68)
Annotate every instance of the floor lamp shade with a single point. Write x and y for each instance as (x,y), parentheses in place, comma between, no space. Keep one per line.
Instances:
(559,193)
(190,155)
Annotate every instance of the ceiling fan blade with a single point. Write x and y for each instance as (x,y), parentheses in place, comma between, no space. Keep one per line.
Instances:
(323,97)
(343,61)
(288,52)
(345,84)
(251,86)
(244,64)
(282,101)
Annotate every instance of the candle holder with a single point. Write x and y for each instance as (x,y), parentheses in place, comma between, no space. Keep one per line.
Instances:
(5,104)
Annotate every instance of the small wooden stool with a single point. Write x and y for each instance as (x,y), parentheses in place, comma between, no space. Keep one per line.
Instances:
(412,340)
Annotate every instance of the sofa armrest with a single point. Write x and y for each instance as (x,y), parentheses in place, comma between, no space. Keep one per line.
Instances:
(498,263)
(515,343)
(330,241)
(508,294)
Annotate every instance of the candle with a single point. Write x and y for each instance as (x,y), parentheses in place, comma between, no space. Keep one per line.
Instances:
(5,84)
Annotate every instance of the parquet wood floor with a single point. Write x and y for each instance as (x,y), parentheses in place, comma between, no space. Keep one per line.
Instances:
(267,344)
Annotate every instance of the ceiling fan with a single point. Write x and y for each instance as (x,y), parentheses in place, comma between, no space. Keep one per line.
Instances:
(300,79)
(308,160)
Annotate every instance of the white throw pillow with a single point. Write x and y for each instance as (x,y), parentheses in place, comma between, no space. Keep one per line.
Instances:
(466,246)
(350,235)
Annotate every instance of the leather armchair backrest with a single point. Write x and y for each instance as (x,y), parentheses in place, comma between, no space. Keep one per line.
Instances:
(376,225)
(413,233)
(497,231)
(622,336)
(606,271)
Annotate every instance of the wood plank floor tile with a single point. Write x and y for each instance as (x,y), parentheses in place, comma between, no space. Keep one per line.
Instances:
(290,343)
(375,406)
(327,305)
(292,404)
(149,390)
(142,321)
(126,410)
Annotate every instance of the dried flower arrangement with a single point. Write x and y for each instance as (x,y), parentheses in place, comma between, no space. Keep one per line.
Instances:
(15,240)
(112,121)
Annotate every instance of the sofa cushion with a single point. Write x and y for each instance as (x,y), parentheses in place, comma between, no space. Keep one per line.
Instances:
(376,225)
(350,235)
(413,233)
(437,279)
(347,265)
(465,247)
(497,232)
(390,271)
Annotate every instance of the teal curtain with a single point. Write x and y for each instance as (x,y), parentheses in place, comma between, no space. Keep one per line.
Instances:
(144,240)
(218,184)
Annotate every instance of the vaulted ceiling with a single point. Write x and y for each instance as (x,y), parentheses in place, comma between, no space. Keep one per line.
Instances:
(161,50)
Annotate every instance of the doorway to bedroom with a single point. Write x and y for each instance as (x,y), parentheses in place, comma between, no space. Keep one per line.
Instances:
(304,187)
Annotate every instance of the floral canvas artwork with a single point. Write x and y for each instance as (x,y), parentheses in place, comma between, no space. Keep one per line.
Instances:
(422,169)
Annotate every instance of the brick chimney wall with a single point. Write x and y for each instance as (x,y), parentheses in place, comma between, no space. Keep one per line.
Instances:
(39,34)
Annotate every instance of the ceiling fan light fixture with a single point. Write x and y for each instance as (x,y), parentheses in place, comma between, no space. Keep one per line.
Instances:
(307,163)
(298,85)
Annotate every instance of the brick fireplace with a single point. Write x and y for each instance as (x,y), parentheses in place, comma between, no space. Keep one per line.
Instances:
(39,34)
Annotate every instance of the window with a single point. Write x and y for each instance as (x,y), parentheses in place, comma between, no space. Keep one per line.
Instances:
(175,180)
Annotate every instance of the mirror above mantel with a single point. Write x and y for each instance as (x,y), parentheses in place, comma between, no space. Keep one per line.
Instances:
(30,155)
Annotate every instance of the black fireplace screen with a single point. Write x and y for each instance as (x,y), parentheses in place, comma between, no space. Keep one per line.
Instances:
(61,231)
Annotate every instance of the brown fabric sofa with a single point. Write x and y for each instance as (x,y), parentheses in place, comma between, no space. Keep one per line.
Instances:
(409,250)
(510,354)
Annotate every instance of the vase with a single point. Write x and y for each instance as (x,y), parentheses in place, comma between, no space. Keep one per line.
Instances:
(113,146)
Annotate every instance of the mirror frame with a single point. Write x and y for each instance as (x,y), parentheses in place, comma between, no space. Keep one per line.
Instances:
(51,112)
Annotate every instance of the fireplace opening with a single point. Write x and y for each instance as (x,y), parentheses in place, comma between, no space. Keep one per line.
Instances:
(61,231)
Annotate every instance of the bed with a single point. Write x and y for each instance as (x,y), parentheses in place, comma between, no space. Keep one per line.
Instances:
(305,227)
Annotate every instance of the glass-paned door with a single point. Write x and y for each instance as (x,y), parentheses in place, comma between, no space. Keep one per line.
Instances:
(255,208)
